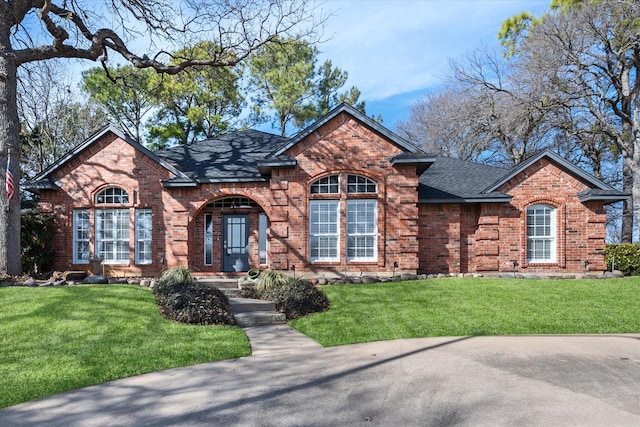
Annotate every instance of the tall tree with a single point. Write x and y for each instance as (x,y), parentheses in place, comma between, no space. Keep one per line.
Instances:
(284,76)
(330,80)
(201,102)
(127,93)
(41,30)
(443,123)
(588,54)
(292,91)
(491,110)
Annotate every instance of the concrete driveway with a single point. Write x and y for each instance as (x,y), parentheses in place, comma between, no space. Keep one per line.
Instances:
(291,381)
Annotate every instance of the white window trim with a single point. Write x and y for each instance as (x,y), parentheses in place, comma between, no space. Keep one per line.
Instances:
(146,212)
(552,237)
(76,240)
(373,234)
(336,235)
(121,261)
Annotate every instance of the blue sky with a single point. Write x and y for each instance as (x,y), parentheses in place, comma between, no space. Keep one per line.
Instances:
(398,51)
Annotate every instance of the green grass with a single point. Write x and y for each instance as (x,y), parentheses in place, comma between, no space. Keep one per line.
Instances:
(58,339)
(464,307)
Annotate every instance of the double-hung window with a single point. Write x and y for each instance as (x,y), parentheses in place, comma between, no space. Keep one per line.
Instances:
(112,235)
(324,230)
(541,234)
(362,220)
(144,228)
(81,236)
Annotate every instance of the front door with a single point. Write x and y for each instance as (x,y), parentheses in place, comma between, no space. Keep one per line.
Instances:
(235,250)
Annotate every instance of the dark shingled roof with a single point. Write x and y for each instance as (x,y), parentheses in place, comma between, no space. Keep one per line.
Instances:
(454,180)
(231,157)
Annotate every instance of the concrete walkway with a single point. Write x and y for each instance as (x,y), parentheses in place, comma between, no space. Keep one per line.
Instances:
(469,381)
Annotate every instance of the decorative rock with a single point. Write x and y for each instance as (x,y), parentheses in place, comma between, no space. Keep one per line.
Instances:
(356,280)
(408,277)
(152,284)
(60,283)
(76,276)
(313,281)
(145,282)
(96,279)
(30,282)
(46,284)
(422,276)
(322,281)
(369,279)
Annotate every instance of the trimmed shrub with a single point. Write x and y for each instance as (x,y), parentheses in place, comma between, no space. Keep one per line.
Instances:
(626,257)
(181,298)
(296,298)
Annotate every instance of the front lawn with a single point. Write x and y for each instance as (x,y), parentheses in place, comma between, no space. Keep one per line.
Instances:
(474,306)
(58,339)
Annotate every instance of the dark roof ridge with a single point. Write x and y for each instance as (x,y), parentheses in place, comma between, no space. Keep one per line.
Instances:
(358,115)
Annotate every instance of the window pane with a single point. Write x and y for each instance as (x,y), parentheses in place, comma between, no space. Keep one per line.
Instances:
(362,230)
(541,233)
(326,185)
(112,235)
(208,239)
(323,230)
(360,184)
(144,227)
(81,236)
(262,238)
(112,195)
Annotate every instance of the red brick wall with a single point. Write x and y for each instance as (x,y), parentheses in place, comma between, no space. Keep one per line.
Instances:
(107,162)
(488,237)
(342,146)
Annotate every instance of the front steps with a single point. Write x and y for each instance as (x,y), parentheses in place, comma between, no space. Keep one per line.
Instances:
(255,312)
(247,312)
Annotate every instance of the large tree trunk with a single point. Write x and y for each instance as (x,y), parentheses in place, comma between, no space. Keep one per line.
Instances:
(9,128)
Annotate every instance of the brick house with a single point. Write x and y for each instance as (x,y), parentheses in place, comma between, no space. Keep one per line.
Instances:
(345,195)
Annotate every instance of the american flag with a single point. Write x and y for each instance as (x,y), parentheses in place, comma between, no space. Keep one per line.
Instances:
(9,180)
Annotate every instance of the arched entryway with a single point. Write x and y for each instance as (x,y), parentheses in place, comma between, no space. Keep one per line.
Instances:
(233,235)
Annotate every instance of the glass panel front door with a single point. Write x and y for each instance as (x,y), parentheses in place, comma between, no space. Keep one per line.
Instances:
(235,251)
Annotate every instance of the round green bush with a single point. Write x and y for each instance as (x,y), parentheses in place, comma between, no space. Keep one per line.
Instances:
(182,299)
(296,298)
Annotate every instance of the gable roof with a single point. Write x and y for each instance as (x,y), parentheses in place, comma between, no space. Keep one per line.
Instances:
(42,181)
(598,191)
(356,114)
(456,181)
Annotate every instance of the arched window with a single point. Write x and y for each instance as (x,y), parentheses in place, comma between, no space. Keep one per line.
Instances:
(327,185)
(541,234)
(360,184)
(112,195)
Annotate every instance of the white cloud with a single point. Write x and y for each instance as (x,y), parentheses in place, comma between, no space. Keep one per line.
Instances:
(395,47)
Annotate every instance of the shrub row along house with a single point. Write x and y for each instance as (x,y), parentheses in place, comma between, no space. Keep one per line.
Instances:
(345,195)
